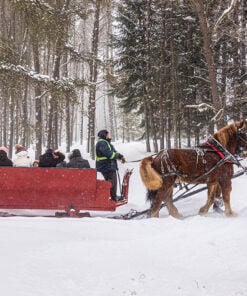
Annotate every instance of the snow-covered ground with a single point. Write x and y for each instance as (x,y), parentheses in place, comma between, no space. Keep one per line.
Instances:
(149,257)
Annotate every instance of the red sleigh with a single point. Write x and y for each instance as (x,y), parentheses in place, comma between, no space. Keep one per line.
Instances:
(60,189)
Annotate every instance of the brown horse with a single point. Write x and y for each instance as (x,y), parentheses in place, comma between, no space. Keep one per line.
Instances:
(210,163)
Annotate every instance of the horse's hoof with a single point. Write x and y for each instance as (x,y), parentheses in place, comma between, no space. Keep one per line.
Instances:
(154,215)
(178,216)
(231,214)
(203,212)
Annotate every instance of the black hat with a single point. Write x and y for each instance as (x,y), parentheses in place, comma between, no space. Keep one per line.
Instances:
(49,151)
(102,134)
(76,153)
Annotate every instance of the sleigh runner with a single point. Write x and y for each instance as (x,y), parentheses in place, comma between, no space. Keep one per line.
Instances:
(59,189)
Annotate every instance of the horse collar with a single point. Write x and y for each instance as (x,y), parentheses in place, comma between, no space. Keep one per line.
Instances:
(221,151)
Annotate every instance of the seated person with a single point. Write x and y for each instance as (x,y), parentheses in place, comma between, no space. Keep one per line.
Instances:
(22,157)
(4,160)
(36,163)
(76,160)
(62,164)
(51,158)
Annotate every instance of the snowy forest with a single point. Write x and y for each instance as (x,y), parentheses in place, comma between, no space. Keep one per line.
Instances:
(156,70)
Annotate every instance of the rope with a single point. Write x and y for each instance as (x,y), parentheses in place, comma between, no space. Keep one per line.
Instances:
(129,161)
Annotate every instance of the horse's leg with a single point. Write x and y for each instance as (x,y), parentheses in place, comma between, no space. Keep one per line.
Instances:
(164,195)
(173,211)
(226,189)
(212,188)
(218,201)
(156,203)
(218,191)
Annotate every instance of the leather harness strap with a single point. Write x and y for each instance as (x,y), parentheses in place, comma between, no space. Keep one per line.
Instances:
(221,154)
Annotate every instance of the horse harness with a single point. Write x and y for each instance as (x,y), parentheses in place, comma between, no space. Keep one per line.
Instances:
(214,145)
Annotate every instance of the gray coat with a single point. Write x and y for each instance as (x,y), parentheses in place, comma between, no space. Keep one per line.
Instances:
(76,160)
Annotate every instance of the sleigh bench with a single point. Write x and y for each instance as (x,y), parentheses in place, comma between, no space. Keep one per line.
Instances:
(62,189)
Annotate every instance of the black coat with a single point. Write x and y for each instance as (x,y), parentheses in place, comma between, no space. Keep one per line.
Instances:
(48,160)
(4,160)
(78,162)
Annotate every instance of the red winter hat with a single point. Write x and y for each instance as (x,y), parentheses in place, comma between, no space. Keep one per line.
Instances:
(19,148)
(4,149)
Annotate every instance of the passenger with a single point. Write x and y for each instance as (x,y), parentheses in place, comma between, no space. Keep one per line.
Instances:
(76,160)
(106,161)
(51,158)
(4,160)
(22,157)
(62,164)
(35,163)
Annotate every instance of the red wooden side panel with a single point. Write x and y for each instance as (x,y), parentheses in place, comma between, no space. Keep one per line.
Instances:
(54,189)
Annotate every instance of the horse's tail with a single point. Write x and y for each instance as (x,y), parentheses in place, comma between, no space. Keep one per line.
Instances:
(150,196)
(150,177)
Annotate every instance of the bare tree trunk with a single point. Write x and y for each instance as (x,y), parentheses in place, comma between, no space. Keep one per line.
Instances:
(174,96)
(67,106)
(53,120)
(209,55)
(149,77)
(11,129)
(148,147)
(93,81)
(49,124)
(3,93)
(25,124)
(242,53)
(59,49)
(168,129)
(38,105)
(161,82)
(83,90)
(109,70)
(82,121)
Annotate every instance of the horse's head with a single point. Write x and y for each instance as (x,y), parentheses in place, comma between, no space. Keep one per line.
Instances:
(241,136)
(233,137)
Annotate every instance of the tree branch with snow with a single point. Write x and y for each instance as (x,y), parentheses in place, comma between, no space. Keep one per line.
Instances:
(225,13)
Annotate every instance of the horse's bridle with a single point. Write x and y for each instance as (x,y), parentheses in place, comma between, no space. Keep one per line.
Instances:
(242,135)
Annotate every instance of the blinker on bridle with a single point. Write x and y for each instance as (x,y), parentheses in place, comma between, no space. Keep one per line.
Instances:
(242,134)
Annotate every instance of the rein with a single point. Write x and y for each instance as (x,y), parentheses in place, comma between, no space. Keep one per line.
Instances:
(129,161)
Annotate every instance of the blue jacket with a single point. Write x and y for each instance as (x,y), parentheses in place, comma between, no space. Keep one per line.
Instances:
(106,156)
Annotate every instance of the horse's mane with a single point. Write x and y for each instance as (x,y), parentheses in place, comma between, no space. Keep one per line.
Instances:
(224,134)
